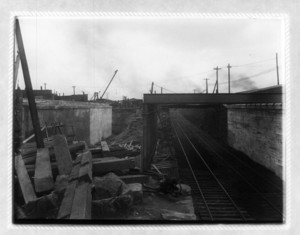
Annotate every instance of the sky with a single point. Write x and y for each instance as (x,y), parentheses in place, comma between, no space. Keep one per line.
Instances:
(177,54)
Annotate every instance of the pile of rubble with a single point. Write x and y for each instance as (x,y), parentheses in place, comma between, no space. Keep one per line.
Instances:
(132,133)
(56,184)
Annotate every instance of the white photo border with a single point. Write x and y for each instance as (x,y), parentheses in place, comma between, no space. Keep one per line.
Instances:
(136,15)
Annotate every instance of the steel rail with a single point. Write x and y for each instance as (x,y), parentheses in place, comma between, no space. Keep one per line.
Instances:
(245,180)
(239,160)
(212,174)
(193,173)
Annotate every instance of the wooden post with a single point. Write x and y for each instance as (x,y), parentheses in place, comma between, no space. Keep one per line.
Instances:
(24,180)
(62,155)
(43,178)
(29,91)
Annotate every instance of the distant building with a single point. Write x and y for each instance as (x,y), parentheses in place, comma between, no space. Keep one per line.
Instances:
(48,95)
(40,94)
(79,97)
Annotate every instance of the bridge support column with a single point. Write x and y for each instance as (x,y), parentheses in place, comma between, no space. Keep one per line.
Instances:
(149,135)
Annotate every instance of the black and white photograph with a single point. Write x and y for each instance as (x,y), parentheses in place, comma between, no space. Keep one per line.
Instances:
(149,120)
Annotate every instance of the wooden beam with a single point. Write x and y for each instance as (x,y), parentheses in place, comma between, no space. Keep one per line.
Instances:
(29,155)
(28,86)
(85,171)
(105,165)
(62,155)
(43,179)
(82,202)
(236,98)
(24,180)
(16,70)
(67,202)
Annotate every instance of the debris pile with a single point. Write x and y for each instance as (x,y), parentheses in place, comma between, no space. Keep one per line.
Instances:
(73,181)
(67,186)
(132,133)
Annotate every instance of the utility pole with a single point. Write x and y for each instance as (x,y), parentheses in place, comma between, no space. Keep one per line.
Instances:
(217,72)
(229,67)
(206,85)
(45,84)
(161,90)
(74,89)
(28,88)
(277,69)
(151,90)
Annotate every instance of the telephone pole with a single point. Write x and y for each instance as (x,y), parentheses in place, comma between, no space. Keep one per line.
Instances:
(217,73)
(229,67)
(74,89)
(277,69)
(206,85)
(151,90)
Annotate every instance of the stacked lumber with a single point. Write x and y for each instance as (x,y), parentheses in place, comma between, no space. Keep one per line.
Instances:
(24,180)
(43,178)
(77,200)
(28,151)
(70,197)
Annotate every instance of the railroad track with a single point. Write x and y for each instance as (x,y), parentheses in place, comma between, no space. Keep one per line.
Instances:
(221,192)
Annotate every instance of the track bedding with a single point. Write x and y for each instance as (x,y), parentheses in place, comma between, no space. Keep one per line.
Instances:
(226,187)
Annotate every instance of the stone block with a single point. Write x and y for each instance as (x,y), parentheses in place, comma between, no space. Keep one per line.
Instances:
(108,186)
(184,189)
(136,191)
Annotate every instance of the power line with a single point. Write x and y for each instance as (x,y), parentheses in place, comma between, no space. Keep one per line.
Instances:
(257,62)
(164,88)
(252,76)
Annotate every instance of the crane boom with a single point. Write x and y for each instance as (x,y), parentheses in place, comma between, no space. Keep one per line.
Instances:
(109,84)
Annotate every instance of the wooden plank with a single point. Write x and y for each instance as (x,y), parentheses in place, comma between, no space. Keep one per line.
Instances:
(29,155)
(85,171)
(62,155)
(129,179)
(105,165)
(66,204)
(28,86)
(43,179)
(104,146)
(75,172)
(81,207)
(24,180)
